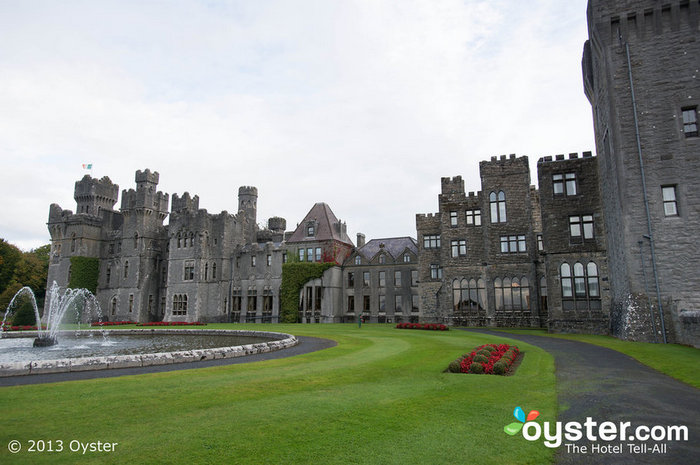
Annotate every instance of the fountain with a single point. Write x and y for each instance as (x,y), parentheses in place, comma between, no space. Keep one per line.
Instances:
(59,302)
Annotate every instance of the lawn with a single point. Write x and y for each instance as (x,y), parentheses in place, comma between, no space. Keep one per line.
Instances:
(675,360)
(380,396)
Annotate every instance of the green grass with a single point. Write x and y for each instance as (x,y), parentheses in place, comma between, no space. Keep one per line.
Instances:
(380,396)
(674,360)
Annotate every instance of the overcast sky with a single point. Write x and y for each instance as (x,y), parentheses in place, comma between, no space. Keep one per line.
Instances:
(363,105)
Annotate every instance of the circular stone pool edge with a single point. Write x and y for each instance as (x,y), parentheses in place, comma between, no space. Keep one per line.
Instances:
(64,365)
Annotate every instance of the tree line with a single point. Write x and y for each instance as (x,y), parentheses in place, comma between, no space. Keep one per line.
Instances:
(19,269)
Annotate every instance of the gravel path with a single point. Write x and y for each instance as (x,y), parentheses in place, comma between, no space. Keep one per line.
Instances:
(606,385)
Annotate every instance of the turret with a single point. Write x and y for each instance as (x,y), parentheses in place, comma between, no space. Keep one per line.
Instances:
(92,195)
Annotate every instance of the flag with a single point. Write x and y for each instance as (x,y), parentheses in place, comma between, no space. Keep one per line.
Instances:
(87,166)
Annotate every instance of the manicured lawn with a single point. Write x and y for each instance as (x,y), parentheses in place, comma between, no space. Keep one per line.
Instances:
(380,397)
(675,360)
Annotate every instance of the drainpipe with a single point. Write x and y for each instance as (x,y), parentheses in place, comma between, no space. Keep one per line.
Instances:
(650,235)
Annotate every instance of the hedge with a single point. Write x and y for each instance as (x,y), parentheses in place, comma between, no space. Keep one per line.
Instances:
(84,272)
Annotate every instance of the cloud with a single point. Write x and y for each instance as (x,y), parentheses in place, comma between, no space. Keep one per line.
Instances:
(363,105)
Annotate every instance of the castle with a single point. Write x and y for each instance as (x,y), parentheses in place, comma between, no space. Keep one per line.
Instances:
(605,244)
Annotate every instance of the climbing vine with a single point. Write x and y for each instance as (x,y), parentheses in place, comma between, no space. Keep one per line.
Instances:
(84,272)
(294,276)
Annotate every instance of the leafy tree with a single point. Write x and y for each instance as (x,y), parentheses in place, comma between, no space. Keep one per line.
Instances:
(10,255)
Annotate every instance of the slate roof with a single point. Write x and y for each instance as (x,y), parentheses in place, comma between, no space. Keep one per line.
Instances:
(395,246)
(328,226)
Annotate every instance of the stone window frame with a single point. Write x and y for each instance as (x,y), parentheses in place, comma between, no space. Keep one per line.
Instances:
(414,278)
(309,254)
(458,248)
(689,119)
(366,278)
(318,254)
(407,258)
(302,251)
(469,295)
(668,201)
(351,279)
(381,278)
(473,217)
(540,242)
(179,304)
(454,218)
(358,260)
(188,270)
(431,241)
(397,282)
(581,228)
(580,286)
(497,202)
(507,289)
(514,243)
(350,304)
(435,271)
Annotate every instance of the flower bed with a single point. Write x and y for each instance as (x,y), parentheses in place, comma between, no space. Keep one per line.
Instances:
(489,359)
(172,323)
(21,328)
(112,323)
(429,326)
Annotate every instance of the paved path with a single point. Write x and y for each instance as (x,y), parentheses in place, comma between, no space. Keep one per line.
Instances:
(306,345)
(606,385)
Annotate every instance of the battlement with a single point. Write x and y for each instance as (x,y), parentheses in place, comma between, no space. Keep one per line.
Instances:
(277,224)
(428,221)
(91,187)
(248,190)
(453,185)
(147,176)
(562,157)
(139,199)
(186,202)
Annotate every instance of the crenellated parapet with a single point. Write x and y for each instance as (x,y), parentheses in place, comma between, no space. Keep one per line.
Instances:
(92,195)
(185,203)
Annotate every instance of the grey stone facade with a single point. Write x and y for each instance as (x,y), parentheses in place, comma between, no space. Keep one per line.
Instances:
(640,70)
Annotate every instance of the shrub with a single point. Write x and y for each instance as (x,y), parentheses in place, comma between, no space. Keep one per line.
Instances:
(476,368)
(485,353)
(455,366)
(500,368)
(480,358)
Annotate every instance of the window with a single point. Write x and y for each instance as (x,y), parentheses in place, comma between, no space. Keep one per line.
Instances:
(570,179)
(136,240)
(670,203)
(453,218)
(365,303)
(365,278)
(513,244)
(398,304)
(253,260)
(310,230)
(414,278)
(351,279)
(72,243)
(512,294)
(580,290)
(126,269)
(351,303)
(473,217)
(114,305)
(431,241)
(358,260)
(382,278)
(252,301)
(435,271)
(269,260)
(406,258)
(150,303)
(179,304)
(382,259)
(189,271)
(213,271)
(318,254)
(581,227)
(468,295)
(131,303)
(397,278)
(540,243)
(414,303)
(109,275)
(690,121)
(301,255)
(382,303)
(284,257)
(498,207)
(310,255)
(458,248)
(206,271)
(564,183)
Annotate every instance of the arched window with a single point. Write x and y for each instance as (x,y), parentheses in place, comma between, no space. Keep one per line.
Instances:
(114,305)
(72,242)
(179,240)
(358,260)
(213,271)
(580,290)
(136,240)
(126,269)
(497,203)
(469,296)
(109,275)
(206,271)
(512,294)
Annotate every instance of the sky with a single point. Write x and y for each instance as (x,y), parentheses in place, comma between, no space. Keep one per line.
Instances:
(363,105)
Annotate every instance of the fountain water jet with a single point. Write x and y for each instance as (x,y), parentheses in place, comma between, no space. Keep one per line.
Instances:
(59,302)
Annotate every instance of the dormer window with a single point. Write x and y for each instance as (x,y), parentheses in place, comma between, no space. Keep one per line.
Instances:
(382,259)
(358,260)
(310,230)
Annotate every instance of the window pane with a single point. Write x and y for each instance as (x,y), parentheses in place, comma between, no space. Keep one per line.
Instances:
(592,269)
(502,211)
(669,193)
(580,287)
(593,290)
(578,269)
(566,290)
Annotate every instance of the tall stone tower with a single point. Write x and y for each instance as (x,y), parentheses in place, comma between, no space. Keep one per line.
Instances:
(642,76)
(248,210)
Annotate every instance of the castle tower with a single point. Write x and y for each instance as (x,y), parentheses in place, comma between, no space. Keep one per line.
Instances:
(92,195)
(248,210)
(640,72)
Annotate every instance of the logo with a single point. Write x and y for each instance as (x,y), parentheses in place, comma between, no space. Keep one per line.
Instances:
(515,427)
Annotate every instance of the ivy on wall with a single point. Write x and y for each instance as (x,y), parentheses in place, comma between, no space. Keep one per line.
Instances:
(294,276)
(84,272)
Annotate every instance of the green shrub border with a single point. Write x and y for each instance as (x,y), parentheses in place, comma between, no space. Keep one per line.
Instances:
(84,272)
(294,276)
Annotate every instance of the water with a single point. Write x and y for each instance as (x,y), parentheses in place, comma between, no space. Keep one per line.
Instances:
(80,303)
(77,346)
